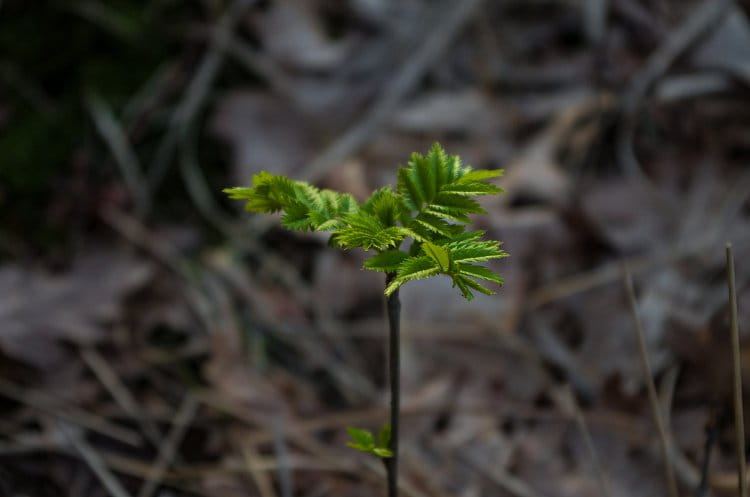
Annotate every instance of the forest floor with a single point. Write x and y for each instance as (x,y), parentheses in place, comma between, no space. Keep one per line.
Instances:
(155,340)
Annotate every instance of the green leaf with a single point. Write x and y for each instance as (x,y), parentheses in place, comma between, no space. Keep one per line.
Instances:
(366,231)
(238,192)
(441,255)
(433,223)
(480,272)
(361,439)
(456,240)
(463,287)
(384,436)
(410,190)
(331,225)
(452,164)
(473,284)
(296,217)
(386,206)
(454,207)
(425,176)
(481,174)
(472,188)
(364,441)
(305,207)
(387,261)
(383,452)
(418,237)
(475,251)
(413,268)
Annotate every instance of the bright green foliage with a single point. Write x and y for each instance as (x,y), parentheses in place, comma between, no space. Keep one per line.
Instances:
(431,206)
(305,207)
(363,440)
(387,261)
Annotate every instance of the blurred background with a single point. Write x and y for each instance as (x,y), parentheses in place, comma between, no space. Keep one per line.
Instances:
(157,341)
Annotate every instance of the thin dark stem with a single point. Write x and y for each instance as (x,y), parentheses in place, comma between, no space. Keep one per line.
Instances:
(393,305)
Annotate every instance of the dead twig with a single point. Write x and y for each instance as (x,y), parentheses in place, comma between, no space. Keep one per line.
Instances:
(279,447)
(502,478)
(567,401)
(653,396)
(739,420)
(168,449)
(260,477)
(698,22)
(120,393)
(60,409)
(94,461)
(125,157)
(610,272)
(196,93)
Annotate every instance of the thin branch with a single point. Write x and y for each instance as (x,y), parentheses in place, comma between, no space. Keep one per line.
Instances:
(260,476)
(94,461)
(653,397)
(279,445)
(196,93)
(739,420)
(125,157)
(61,409)
(167,451)
(120,393)
(569,404)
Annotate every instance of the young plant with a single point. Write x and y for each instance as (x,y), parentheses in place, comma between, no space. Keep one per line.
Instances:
(430,207)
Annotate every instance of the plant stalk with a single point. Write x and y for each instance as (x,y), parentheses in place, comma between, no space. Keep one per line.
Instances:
(393,306)
(739,418)
(661,425)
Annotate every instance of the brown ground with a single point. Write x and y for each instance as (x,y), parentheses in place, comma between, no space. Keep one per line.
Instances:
(163,348)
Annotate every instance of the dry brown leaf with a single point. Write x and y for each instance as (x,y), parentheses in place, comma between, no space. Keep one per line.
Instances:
(292,33)
(728,47)
(626,216)
(467,111)
(265,132)
(39,309)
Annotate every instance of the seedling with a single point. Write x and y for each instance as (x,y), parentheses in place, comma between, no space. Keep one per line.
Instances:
(430,207)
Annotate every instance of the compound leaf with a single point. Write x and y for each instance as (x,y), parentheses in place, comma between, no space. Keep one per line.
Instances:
(431,205)
(441,255)
(387,261)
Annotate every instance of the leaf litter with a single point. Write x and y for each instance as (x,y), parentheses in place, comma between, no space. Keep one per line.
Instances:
(282,353)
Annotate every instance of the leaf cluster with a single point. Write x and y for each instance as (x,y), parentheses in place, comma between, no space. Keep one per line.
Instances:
(431,204)
(364,441)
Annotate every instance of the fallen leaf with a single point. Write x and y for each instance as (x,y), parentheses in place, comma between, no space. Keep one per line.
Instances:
(292,33)
(728,47)
(265,132)
(39,309)
(467,111)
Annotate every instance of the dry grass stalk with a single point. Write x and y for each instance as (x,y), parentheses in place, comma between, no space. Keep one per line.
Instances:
(653,396)
(737,376)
